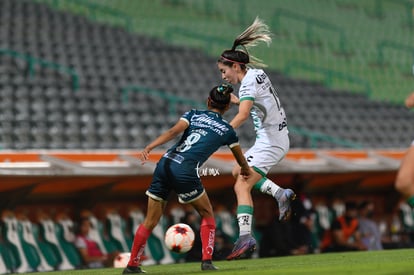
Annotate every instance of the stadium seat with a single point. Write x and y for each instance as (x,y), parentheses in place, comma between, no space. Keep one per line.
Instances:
(66,237)
(30,245)
(98,233)
(116,228)
(176,214)
(406,214)
(48,232)
(338,207)
(108,58)
(12,231)
(323,220)
(4,264)
(226,222)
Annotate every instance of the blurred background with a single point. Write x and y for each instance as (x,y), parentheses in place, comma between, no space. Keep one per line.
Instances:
(85,85)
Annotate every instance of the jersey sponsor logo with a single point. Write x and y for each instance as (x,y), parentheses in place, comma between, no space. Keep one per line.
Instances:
(205,121)
(261,78)
(210,244)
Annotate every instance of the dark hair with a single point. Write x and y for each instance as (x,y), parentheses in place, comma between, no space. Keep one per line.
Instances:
(79,224)
(255,33)
(351,205)
(220,96)
(228,57)
(363,205)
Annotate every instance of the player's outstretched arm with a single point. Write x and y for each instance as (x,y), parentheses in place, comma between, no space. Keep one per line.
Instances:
(168,135)
(241,160)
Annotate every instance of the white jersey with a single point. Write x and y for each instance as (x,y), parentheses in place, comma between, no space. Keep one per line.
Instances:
(268,115)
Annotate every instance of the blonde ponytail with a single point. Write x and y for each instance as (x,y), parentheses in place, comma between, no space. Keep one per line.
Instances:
(257,32)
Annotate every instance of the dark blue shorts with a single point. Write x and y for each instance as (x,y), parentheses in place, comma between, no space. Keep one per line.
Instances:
(180,177)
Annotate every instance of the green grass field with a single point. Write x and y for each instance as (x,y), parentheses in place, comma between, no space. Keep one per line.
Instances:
(400,261)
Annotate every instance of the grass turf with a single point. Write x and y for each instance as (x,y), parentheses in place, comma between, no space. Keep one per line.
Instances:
(399,261)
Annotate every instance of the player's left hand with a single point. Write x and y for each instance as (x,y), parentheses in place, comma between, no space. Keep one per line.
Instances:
(234,99)
(245,172)
(144,155)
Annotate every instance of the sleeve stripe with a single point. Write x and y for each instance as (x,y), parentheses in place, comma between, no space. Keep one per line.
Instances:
(247,98)
(186,120)
(233,144)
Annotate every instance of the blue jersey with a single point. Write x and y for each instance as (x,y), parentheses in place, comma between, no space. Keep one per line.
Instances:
(207,131)
(178,169)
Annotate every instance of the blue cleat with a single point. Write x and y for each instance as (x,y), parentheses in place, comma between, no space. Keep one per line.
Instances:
(243,248)
(284,204)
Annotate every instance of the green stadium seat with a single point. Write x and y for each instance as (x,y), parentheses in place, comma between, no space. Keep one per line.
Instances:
(227,223)
(116,228)
(30,245)
(11,234)
(323,220)
(159,251)
(66,238)
(407,217)
(5,261)
(48,232)
(49,251)
(98,233)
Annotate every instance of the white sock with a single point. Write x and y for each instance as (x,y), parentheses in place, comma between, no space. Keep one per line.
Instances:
(269,187)
(245,223)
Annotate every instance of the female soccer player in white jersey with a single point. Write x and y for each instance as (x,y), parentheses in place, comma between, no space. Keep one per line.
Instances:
(203,132)
(405,176)
(258,99)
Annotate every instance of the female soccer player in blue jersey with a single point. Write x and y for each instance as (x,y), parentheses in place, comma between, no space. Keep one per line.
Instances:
(203,133)
(258,99)
(405,176)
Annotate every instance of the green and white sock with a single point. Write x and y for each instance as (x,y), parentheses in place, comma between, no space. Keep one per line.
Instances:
(245,219)
(267,186)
